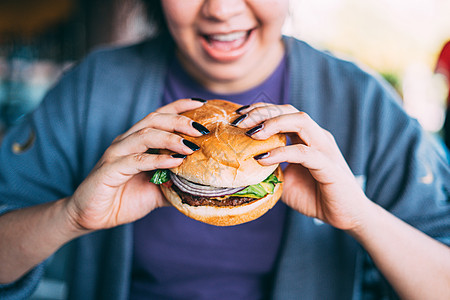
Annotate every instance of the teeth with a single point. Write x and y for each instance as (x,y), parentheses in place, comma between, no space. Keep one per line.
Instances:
(228,37)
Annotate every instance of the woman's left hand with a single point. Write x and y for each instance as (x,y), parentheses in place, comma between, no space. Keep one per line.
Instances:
(318,182)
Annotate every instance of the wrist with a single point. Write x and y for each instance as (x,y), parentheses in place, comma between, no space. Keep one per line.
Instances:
(72,226)
(368,216)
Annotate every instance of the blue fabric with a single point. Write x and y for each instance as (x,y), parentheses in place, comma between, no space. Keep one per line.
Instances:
(382,146)
(74,125)
(113,89)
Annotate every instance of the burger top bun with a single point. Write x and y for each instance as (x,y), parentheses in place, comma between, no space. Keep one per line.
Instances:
(225,158)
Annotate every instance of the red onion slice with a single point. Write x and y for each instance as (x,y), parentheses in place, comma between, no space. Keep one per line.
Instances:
(200,189)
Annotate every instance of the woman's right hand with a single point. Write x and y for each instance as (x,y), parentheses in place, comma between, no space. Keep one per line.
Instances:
(118,191)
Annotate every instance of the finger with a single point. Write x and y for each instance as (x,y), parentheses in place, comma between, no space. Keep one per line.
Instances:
(173,108)
(150,138)
(262,113)
(319,165)
(299,123)
(118,172)
(170,123)
(246,108)
(297,154)
(142,162)
(302,128)
(181,105)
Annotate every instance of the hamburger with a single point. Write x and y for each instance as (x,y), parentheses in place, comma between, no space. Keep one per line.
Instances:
(222,184)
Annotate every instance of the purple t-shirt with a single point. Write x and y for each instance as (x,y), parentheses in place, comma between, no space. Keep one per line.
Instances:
(176,257)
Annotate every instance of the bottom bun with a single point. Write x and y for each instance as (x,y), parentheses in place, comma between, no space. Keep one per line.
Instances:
(227,216)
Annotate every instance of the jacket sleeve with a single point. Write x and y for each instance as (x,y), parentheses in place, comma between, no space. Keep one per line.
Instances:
(408,174)
(407,169)
(39,160)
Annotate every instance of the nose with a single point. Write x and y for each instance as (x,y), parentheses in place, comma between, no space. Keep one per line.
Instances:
(222,10)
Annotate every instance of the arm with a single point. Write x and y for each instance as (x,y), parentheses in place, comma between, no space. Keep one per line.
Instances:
(32,234)
(416,265)
(117,191)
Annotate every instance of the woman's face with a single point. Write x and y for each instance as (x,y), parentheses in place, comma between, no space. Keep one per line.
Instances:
(227,45)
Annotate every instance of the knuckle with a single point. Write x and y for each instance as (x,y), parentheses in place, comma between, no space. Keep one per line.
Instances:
(160,161)
(303,115)
(179,119)
(260,113)
(289,107)
(173,139)
(275,110)
(303,149)
(251,119)
(280,151)
(117,139)
(104,161)
(151,116)
(329,135)
(140,158)
(110,153)
(143,132)
(259,104)
(304,119)
(179,123)
(273,125)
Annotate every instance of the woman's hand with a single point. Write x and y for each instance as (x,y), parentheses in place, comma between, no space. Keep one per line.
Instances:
(318,181)
(118,191)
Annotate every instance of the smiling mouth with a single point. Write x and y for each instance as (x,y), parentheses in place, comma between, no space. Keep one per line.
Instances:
(227,41)
(227,46)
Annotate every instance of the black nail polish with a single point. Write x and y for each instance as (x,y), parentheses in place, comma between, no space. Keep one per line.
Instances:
(239,120)
(199,100)
(242,108)
(261,156)
(178,155)
(191,145)
(202,129)
(254,130)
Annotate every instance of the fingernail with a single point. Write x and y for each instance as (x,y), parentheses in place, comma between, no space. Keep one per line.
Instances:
(261,156)
(199,100)
(239,120)
(191,145)
(242,108)
(254,130)
(178,155)
(202,129)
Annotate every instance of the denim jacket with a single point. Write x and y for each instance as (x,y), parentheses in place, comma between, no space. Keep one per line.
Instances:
(397,163)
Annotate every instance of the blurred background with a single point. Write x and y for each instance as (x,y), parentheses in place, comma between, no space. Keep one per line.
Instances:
(399,39)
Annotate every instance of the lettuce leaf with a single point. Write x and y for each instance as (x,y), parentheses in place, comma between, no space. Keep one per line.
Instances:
(253,191)
(160,176)
(259,190)
(272,179)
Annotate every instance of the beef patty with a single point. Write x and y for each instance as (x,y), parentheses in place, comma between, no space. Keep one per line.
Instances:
(193,200)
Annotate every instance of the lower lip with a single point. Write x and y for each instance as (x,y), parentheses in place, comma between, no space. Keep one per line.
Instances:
(231,54)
